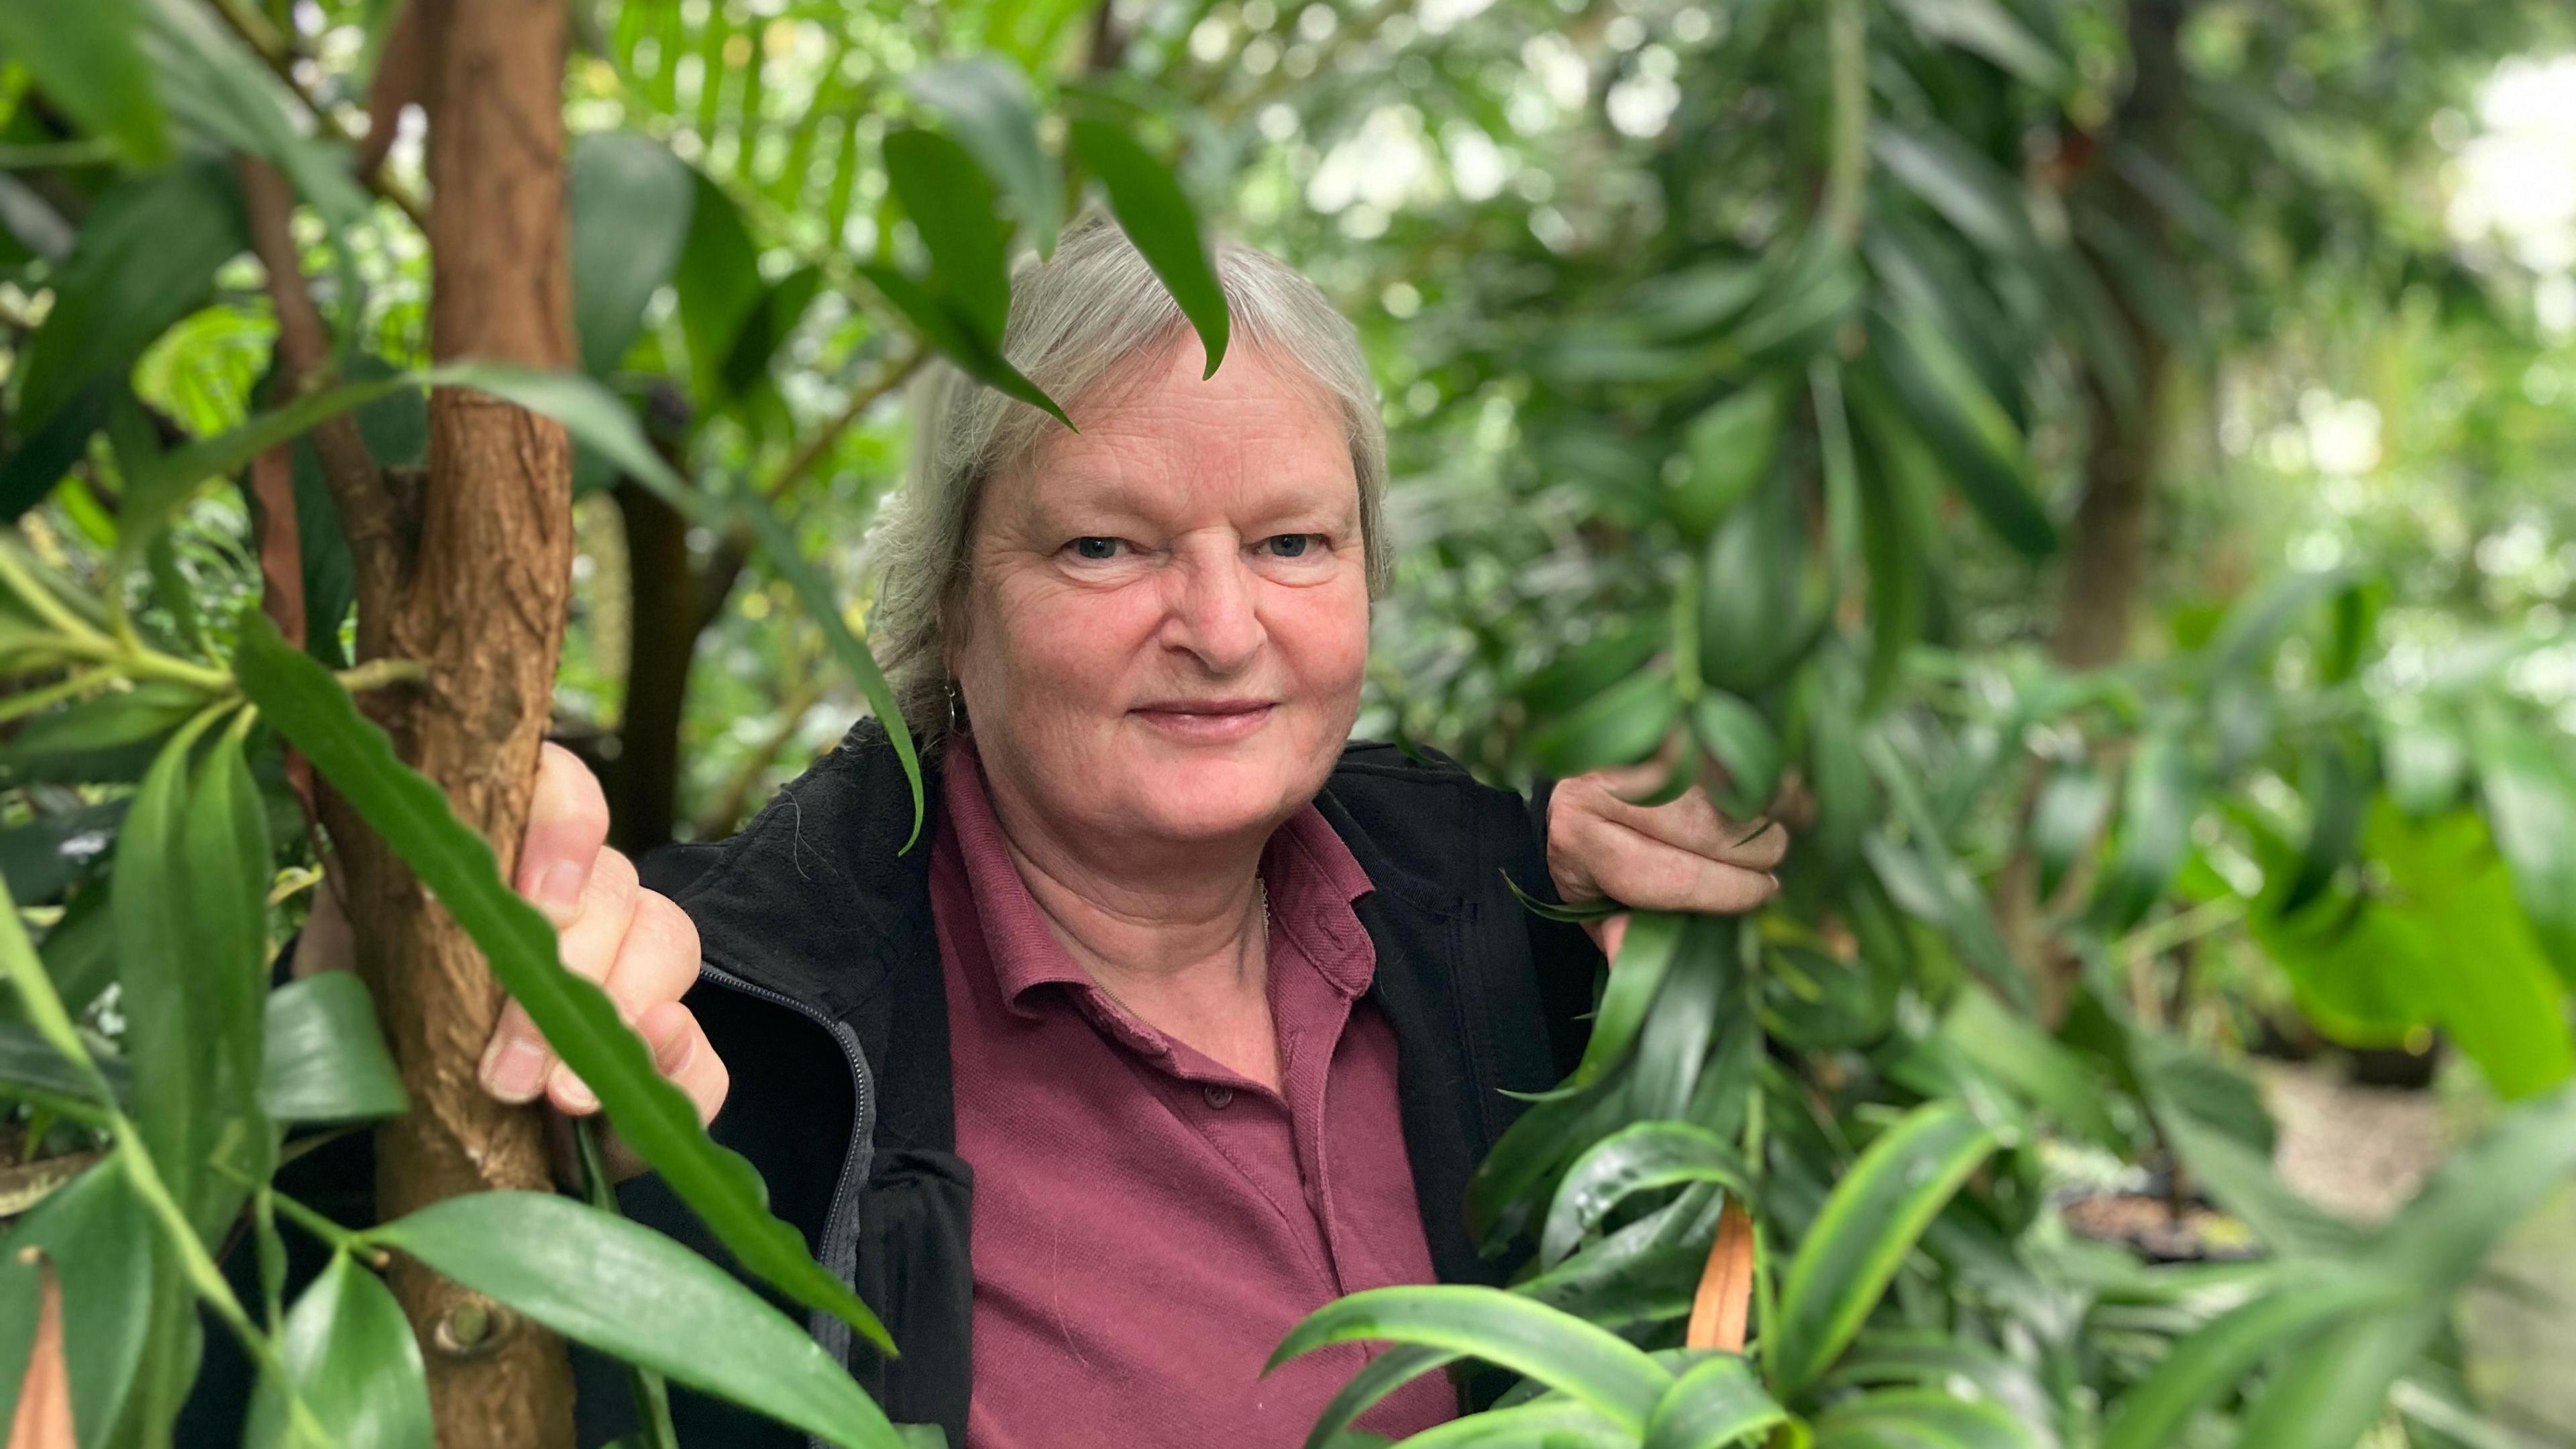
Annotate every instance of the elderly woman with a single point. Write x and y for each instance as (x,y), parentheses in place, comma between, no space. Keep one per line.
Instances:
(1187,1015)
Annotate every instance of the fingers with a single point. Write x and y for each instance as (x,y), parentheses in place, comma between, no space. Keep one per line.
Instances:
(653,964)
(1694,823)
(682,1054)
(516,1063)
(1608,933)
(1638,869)
(567,824)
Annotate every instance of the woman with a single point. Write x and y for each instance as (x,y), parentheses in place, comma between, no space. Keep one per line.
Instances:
(1185,1016)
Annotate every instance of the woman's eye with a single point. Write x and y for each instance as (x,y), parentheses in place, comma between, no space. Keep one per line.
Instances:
(1095,548)
(1293,545)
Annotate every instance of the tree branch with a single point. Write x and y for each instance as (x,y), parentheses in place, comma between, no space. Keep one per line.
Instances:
(367,512)
(278,54)
(863,397)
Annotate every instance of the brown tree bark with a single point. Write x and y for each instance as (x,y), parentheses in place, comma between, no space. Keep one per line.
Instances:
(477,593)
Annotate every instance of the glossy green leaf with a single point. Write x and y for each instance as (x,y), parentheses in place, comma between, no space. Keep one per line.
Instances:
(951,203)
(351,1358)
(986,107)
(1619,726)
(1703,986)
(1867,1226)
(718,285)
(2011,1049)
(956,338)
(1157,217)
(2495,991)
(146,258)
(1381,1376)
(1585,670)
(1745,745)
(1715,1403)
(2529,790)
(1503,1194)
(1640,1158)
(98,1239)
(1587,1364)
(31,1063)
(634,1294)
(653,1117)
(1646,954)
(326,1058)
(2213,1360)
(1729,447)
(630,202)
(84,57)
(191,881)
(1556,1424)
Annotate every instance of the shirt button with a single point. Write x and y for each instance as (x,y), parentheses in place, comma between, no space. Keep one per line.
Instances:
(1218,1097)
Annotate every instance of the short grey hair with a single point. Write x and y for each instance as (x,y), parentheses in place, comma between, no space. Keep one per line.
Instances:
(1077,321)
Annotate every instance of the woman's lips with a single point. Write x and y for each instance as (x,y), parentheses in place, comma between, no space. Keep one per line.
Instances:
(1211,722)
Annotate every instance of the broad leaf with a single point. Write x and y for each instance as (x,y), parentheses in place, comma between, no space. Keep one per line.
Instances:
(1156,216)
(326,1058)
(1868,1225)
(950,202)
(634,1294)
(97,1238)
(578,1020)
(987,109)
(1588,1364)
(351,1358)
(84,57)
(1715,1403)
(2530,794)
(631,201)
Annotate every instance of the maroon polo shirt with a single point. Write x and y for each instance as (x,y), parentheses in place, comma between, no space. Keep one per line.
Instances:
(1148,1223)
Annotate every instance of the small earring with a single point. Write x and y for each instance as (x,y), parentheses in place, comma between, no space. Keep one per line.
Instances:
(956,710)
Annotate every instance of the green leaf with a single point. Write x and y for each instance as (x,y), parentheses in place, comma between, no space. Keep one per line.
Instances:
(1704,985)
(719,284)
(1640,1158)
(1980,448)
(1503,1192)
(1157,217)
(1586,669)
(2064,819)
(351,1357)
(956,338)
(1997,1042)
(634,1294)
(2530,797)
(951,204)
(146,258)
(1714,1403)
(1646,953)
(1730,447)
(986,105)
(215,87)
(103,738)
(1743,743)
(51,852)
(1380,1377)
(1590,1365)
(2157,798)
(1921,1419)
(99,1240)
(84,57)
(158,488)
(29,1061)
(2213,1360)
(326,1058)
(1986,27)
(2244,643)
(1556,1424)
(1621,725)
(2495,992)
(653,1117)
(191,882)
(1867,1226)
(631,202)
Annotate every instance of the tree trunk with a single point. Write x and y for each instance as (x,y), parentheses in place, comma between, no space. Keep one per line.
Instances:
(479,596)
(665,616)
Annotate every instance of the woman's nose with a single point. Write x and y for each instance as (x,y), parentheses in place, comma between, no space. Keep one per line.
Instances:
(1213,614)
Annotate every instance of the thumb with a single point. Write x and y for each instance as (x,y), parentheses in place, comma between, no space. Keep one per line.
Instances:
(567,824)
(1607,933)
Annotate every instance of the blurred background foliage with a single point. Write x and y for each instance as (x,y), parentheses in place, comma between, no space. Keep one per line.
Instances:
(2105,472)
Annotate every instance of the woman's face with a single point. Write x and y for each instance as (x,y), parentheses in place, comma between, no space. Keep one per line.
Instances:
(1167,619)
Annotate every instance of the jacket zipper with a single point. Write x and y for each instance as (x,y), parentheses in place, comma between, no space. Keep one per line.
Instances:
(840,1224)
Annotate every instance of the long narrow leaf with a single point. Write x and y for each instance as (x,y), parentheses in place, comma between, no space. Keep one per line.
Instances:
(2215,1358)
(1565,1353)
(1156,216)
(1716,1402)
(630,1292)
(1868,1225)
(309,707)
(1638,1159)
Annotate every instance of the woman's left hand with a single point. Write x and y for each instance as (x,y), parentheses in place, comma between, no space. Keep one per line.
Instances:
(1679,856)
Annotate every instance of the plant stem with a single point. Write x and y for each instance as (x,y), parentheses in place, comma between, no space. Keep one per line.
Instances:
(1847,35)
(346,1240)
(33,700)
(379,673)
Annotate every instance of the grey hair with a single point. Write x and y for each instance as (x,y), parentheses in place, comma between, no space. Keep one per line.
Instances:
(1077,321)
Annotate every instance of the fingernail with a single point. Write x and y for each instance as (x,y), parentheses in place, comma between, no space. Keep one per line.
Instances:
(514,1070)
(559,892)
(1775,878)
(569,1090)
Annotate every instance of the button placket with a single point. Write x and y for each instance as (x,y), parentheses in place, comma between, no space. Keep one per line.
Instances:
(1217,1095)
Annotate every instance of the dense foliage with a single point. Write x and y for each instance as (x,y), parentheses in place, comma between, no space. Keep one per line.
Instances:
(1900,416)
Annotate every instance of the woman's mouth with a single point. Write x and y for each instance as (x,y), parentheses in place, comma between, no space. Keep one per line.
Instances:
(1206,721)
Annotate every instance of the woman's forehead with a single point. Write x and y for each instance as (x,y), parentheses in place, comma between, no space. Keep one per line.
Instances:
(1166,434)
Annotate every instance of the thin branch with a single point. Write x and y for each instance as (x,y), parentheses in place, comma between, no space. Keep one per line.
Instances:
(367,511)
(865,396)
(277,53)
